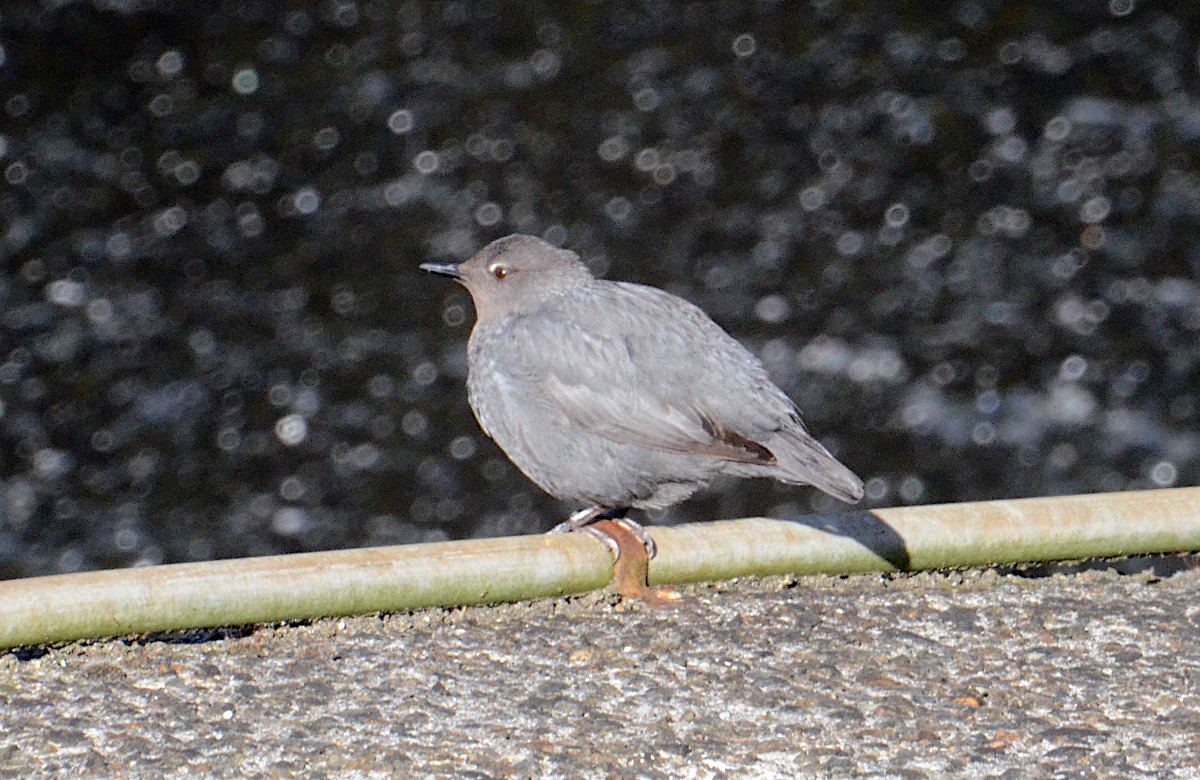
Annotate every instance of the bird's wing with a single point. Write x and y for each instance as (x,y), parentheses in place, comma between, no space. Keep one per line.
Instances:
(642,380)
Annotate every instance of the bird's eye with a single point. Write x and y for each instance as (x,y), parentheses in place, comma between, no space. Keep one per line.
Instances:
(499,271)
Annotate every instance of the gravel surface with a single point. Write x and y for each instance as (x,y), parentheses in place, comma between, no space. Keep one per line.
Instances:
(982,674)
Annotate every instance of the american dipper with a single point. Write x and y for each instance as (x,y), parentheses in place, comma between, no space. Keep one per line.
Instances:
(618,395)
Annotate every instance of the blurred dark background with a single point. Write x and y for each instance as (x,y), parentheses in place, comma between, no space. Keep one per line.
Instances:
(965,237)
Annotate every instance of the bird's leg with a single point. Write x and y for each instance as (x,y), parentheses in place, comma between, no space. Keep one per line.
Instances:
(583,519)
(580,519)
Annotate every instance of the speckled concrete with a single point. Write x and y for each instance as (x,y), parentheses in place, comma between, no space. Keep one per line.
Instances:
(977,674)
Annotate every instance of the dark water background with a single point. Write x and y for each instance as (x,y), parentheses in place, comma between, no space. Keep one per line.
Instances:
(964,237)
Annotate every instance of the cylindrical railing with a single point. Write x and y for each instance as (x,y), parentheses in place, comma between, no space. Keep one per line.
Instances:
(290,587)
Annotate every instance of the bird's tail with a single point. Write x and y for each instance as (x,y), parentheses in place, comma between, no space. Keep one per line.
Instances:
(801,460)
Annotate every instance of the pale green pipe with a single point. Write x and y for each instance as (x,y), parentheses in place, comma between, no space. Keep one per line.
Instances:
(40,610)
(257,590)
(1102,525)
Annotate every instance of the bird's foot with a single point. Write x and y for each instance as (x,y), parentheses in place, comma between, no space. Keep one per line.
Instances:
(584,519)
(639,532)
(632,548)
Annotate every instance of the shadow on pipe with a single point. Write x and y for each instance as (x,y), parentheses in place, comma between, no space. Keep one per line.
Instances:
(865,528)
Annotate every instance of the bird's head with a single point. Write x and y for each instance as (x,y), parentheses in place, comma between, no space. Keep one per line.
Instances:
(516,274)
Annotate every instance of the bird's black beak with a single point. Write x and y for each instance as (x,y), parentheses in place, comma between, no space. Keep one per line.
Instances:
(443,269)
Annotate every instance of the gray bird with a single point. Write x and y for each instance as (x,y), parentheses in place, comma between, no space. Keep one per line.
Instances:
(618,395)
